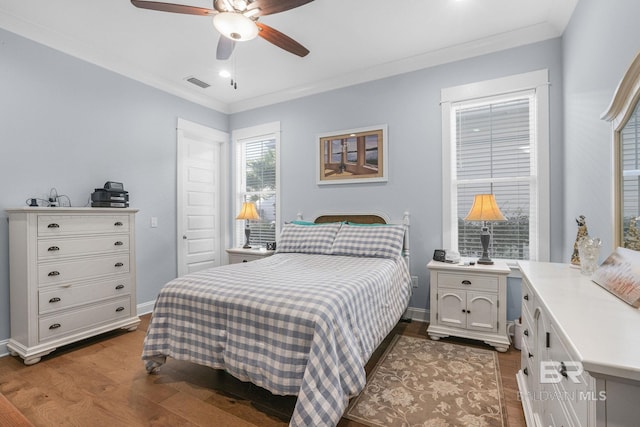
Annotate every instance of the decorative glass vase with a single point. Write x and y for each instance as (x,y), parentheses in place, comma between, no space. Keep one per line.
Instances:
(589,250)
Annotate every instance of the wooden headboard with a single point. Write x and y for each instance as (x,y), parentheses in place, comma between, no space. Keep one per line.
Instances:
(356,218)
(368,219)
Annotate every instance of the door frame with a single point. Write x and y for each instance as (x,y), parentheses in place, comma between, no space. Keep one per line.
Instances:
(214,136)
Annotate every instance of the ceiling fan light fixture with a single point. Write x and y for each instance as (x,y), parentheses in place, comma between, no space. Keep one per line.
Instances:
(235,26)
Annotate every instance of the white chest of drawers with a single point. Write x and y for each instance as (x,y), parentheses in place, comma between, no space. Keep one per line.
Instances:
(72,276)
(580,351)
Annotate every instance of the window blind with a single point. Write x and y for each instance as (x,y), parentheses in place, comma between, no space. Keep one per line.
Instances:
(257,165)
(494,153)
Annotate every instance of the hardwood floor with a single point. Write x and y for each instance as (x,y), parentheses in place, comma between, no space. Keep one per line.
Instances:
(102,382)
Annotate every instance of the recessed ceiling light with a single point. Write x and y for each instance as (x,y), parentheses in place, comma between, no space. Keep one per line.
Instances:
(224,73)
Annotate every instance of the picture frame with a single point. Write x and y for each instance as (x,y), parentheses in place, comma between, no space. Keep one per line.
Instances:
(620,275)
(352,156)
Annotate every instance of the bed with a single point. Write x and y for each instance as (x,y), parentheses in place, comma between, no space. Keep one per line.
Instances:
(301,322)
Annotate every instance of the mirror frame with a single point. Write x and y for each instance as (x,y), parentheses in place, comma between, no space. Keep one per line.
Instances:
(622,105)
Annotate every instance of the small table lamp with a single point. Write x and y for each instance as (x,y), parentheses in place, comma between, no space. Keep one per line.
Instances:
(248,212)
(485,209)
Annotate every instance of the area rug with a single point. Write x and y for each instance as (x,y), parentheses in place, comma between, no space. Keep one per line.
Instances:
(419,382)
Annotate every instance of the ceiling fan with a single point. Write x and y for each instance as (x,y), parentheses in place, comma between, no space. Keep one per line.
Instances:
(237,20)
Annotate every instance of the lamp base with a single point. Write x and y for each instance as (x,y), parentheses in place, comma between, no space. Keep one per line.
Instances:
(247,235)
(485,238)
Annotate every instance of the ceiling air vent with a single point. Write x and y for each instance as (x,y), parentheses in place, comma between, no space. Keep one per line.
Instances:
(198,82)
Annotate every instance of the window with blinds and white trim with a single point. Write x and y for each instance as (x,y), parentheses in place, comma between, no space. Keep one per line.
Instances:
(257,151)
(495,141)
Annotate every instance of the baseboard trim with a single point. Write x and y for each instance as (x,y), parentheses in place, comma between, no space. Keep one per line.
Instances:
(145,307)
(4,351)
(417,314)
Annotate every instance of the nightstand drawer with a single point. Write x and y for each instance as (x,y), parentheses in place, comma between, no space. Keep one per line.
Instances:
(238,258)
(240,255)
(464,281)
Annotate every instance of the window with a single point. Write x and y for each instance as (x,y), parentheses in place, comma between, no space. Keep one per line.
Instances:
(257,161)
(495,140)
(630,164)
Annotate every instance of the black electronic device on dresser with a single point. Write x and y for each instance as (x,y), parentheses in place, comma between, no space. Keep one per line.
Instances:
(113,195)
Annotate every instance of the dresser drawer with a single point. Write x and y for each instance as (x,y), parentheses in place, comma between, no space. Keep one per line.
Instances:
(69,225)
(528,296)
(66,247)
(577,385)
(468,282)
(68,271)
(63,324)
(56,298)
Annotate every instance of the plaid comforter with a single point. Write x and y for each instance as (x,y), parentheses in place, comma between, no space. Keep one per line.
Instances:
(294,324)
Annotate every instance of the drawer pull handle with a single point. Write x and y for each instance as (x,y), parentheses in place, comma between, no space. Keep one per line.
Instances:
(55,326)
(244,260)
(119,287)
(526,332)
(118,264)
(118,224)
(53,248)
(525,371)
(526,297)
(120,309)
(530,355)
(118,243)
(466,282)
(563,370)
(53,225)
(54,299)
(53,273)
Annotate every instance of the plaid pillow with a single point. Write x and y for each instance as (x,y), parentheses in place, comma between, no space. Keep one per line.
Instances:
(309,240)
(384,241)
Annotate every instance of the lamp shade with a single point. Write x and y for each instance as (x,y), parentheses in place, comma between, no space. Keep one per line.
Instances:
(485,208)
(248,211)
(235,26)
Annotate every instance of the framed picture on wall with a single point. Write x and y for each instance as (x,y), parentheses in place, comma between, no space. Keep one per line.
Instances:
(353,156)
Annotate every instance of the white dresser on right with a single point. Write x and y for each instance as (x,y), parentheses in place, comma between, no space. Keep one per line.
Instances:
(580,351)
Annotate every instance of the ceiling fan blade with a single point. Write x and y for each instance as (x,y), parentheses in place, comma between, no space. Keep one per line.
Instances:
(175,8)
(225,48)
(269,7)
(281,40)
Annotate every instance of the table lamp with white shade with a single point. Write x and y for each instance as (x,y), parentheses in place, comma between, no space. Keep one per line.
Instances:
(247,213)
(485,209)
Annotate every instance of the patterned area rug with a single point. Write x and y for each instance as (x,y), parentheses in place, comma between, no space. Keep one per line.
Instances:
(419,382)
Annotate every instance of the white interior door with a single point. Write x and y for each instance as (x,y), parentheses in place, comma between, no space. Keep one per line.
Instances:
(200,191)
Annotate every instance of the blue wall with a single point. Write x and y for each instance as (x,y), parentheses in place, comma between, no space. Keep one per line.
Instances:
(71,125)
(602,39)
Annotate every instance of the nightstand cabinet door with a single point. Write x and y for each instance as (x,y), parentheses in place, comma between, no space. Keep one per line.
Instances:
(482,311)
(452,308)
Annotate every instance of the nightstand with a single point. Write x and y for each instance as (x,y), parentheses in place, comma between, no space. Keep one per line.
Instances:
(469,302)
(238,255)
